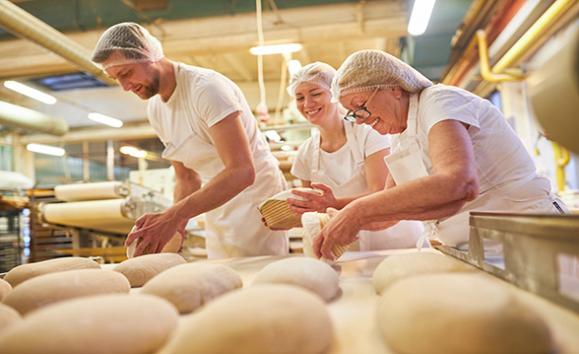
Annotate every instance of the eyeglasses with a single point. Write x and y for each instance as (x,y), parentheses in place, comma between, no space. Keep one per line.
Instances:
(361,113)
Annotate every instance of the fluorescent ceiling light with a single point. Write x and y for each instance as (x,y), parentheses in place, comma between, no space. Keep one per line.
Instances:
(293,66)
(101,118)
(272,135)
(420,16)
(30,92)
(133,151)
(45,149)
(276,49)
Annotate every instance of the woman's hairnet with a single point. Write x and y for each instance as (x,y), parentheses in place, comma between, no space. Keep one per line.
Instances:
(317,73)
(132,40)
(368,69)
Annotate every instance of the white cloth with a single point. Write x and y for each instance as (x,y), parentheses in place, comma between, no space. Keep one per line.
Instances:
(508,180)
(201,99)
(343,171)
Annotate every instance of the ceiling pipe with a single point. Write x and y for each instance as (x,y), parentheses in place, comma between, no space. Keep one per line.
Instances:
(24,118)
(485,68)
(23,24)
(532,36)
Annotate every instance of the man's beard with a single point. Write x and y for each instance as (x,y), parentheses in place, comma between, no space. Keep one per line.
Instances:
(150,90)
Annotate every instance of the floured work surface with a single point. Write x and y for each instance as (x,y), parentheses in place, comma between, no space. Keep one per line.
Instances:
(354,312)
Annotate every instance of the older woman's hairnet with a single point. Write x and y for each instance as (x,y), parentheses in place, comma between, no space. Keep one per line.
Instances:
(133,41)
(369,69)
(317,73)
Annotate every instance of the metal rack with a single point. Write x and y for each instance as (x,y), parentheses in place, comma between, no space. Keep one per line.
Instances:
(538,253)
(10,239)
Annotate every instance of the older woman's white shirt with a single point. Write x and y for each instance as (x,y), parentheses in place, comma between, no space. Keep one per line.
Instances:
(507,174)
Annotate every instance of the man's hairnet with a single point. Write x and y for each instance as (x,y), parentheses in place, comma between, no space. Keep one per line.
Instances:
(317,73)
(132,40)
(369,69)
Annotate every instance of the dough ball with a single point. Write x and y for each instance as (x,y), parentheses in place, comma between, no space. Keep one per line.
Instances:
(5,289)
(173,246)
(23,272)
(192,285)
(141,269)
(54,287)
(400,266)
(261,319)
(305,272)
(102,324)
(459,313)
(8,316)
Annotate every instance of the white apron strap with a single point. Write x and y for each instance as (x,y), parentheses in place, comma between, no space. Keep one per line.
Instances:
(315,160)
(351,140)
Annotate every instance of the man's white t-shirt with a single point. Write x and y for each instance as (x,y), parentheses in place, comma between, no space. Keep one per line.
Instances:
(339,165)
(201,99)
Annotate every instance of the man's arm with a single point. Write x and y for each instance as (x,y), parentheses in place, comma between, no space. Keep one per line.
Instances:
(187,181)
(232,145)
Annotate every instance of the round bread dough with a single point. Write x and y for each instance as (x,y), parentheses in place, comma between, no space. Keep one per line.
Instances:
(54,287)
(261,319)
(23,272)
(140,270)
(5,289)
(192,285)
(401,266)
(172,246)
(102,324)
(459,313)
(308,273)
(8,316)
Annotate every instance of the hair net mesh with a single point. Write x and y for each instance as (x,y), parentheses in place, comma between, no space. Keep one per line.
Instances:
(132,40)
(369,69)
(317,73)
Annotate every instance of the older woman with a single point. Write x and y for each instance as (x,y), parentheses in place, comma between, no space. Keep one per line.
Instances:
(342,160)
(452,153)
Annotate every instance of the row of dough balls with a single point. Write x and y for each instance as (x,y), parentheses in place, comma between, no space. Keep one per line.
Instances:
(431,303)
(266,318)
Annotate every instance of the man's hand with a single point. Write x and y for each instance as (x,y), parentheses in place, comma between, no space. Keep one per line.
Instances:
(154,230)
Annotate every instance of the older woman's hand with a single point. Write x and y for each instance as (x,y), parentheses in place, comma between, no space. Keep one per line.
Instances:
(341,230)
(320,201)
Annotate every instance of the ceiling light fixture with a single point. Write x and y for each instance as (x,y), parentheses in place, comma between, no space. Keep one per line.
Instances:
(133,151)
(101,118)
(420,16)
(45,149)
(270,49)
(29,92)
(293,66)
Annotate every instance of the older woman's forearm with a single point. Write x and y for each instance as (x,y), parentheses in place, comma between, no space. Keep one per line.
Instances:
(427,198)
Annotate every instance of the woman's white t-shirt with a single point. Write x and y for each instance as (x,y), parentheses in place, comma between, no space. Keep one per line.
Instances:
(339,165)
